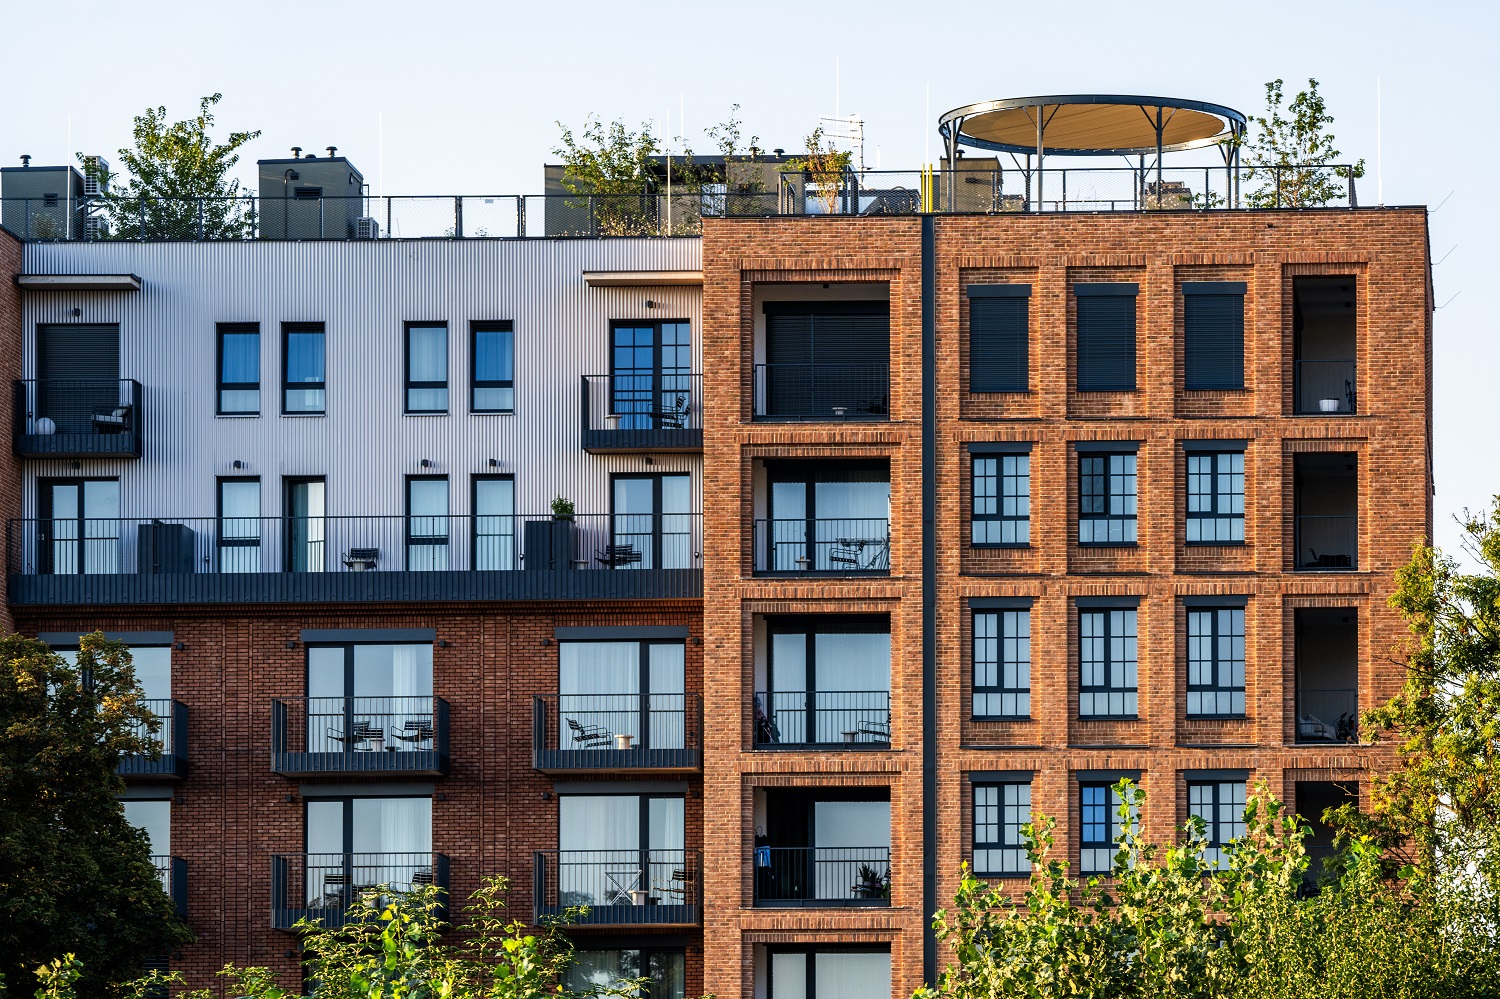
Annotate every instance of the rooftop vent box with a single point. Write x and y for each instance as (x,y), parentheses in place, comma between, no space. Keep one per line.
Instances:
(310,197)
(95,176)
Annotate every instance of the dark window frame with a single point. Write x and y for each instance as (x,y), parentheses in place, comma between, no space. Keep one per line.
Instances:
(287,330)
(1215,838)
(221,330)
(434,540)
(983,299)
(475,382)
(1009,832)
(347,801)
(46,521)
(1190,299)
(647,951)
(1214,664)
(289,483)
(999,498)
(809,626)
(408,384)
(1214,495)
(476,516)
(1088,790)
(1107,476)
(1107,662)
(1001,638)
(809,474)
(810,984)
(1087,380)
(237,541)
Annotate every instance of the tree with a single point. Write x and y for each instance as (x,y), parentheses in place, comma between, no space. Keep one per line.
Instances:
(825,168)
(178,185)
(1290,157)
(610,164)
(74,875)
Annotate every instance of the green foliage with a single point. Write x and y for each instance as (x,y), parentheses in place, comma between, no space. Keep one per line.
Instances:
(178,185)
(1289,157)
(562,508)
(825,168)
(75,877)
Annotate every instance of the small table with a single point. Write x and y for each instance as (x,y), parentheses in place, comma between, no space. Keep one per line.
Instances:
(623,741)
(851,736)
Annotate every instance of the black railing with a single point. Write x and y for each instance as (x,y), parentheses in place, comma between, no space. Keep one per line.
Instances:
(1327,714)
(807,875)
(838,547)
(170,739)
(619,887)
(174,881)
(91,418)
(644,411)
(1327,543)
(823,718)
(822,392)
(1325,387)
(353,544)
(322,886)
(617,732)
(368,735)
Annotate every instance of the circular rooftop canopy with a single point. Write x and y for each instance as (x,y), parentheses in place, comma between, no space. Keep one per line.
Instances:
(1090,125)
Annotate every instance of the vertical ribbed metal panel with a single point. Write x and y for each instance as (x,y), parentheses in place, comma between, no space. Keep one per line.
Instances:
(363,292)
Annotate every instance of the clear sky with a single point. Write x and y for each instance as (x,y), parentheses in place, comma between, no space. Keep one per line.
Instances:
(468,94)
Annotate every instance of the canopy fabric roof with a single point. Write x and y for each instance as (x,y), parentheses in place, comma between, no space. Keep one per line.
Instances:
(1086,125)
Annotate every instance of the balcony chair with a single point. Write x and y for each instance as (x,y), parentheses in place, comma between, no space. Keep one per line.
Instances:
(615,556)
(879,731)
(361,559)
(1329,560)
(111,419)
(590,736)
(679,884)
(673,417)
(416,730)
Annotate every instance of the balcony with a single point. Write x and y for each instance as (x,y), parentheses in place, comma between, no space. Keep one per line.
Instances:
(78,419)
(805,719)
(1325,388)
(599,733)
(803,546)
(321,886)
(620,887)
(354,559)
(822,392)
(173,874)
(1327,543)
(373,736)
(1326,652)
(171,762)
(822,876)
(1326,507)
(626,413)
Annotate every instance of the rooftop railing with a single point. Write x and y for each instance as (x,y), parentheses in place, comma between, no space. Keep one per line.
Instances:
(680,211)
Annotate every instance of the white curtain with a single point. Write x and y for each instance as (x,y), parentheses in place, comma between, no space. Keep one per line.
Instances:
(851,976)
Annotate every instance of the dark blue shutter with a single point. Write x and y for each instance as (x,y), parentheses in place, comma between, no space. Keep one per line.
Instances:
(1106,340)
(1214,340)
(826,355)
(998,339)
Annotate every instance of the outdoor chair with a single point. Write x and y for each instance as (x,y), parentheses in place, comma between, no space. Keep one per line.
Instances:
(589,736)
(111,419)
(615,556)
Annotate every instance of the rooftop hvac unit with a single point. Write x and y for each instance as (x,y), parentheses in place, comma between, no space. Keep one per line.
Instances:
(95,176)
(366,228)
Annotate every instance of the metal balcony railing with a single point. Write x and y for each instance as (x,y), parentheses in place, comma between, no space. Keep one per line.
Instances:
(1327,714)
(367,735)
(833,546)
(620,887)
(82,418)
(322,886)
(1325,387)
(823,718)
(1327,543)
(125,546)
(170,739)
(174,881)
(643,411)
(839,392)
(597,732)
(822,876)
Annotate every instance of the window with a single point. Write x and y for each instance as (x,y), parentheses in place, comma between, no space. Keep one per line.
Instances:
(1002,663)
(492,378)
(494,522)
(79,531)
(1107,663)
(829,517)
(608,689)
(366,841)
(805,973)
(1221,806)
(1099,827)
(1106,337)
(154,818)
(612,844)
(1106,499)
(1216,662)
(426,368)
(303,385)
(998,317)
(1213,323)
(1002,500)
(426,523)
(828,681)
(1000,810)
(306,527)
(239,369)
(590,972)
(1215,497)
(651,383)
(369,697)
(652,522)
(825,361)
(239,525)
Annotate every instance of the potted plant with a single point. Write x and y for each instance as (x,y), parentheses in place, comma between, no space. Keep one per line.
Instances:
(562,508)
(871,883)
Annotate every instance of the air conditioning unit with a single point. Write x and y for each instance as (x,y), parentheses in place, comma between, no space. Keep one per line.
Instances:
(366,228)
(95,176)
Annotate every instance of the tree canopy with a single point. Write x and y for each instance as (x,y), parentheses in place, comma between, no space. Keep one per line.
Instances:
(1292,156)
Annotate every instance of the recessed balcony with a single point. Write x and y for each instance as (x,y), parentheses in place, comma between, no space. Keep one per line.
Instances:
(88,418)
(600,733)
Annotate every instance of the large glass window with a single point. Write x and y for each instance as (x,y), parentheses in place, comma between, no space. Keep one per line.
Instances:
(1099,827)
(627,688)
(494,522)
(1002,663)
(154,818)
(80,526)
(426,368)
(1002,500)
(829,974)
(306,527)
(355,843)
(1216,662)
(1000,810)
(369,697)
(492,378)
(1216,498)
(829,681)
(610,845)
(664,971)
(239,525)
(1106,499)
(653,522)
(303,371)
(1107,663)
(827,518)
(651,374)
(426,523)
(1221,806)
(239,369)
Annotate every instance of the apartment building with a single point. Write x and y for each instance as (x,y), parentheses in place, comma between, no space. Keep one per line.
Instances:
(897,519)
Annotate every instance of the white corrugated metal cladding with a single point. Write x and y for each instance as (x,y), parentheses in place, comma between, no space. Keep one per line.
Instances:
(364,293)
